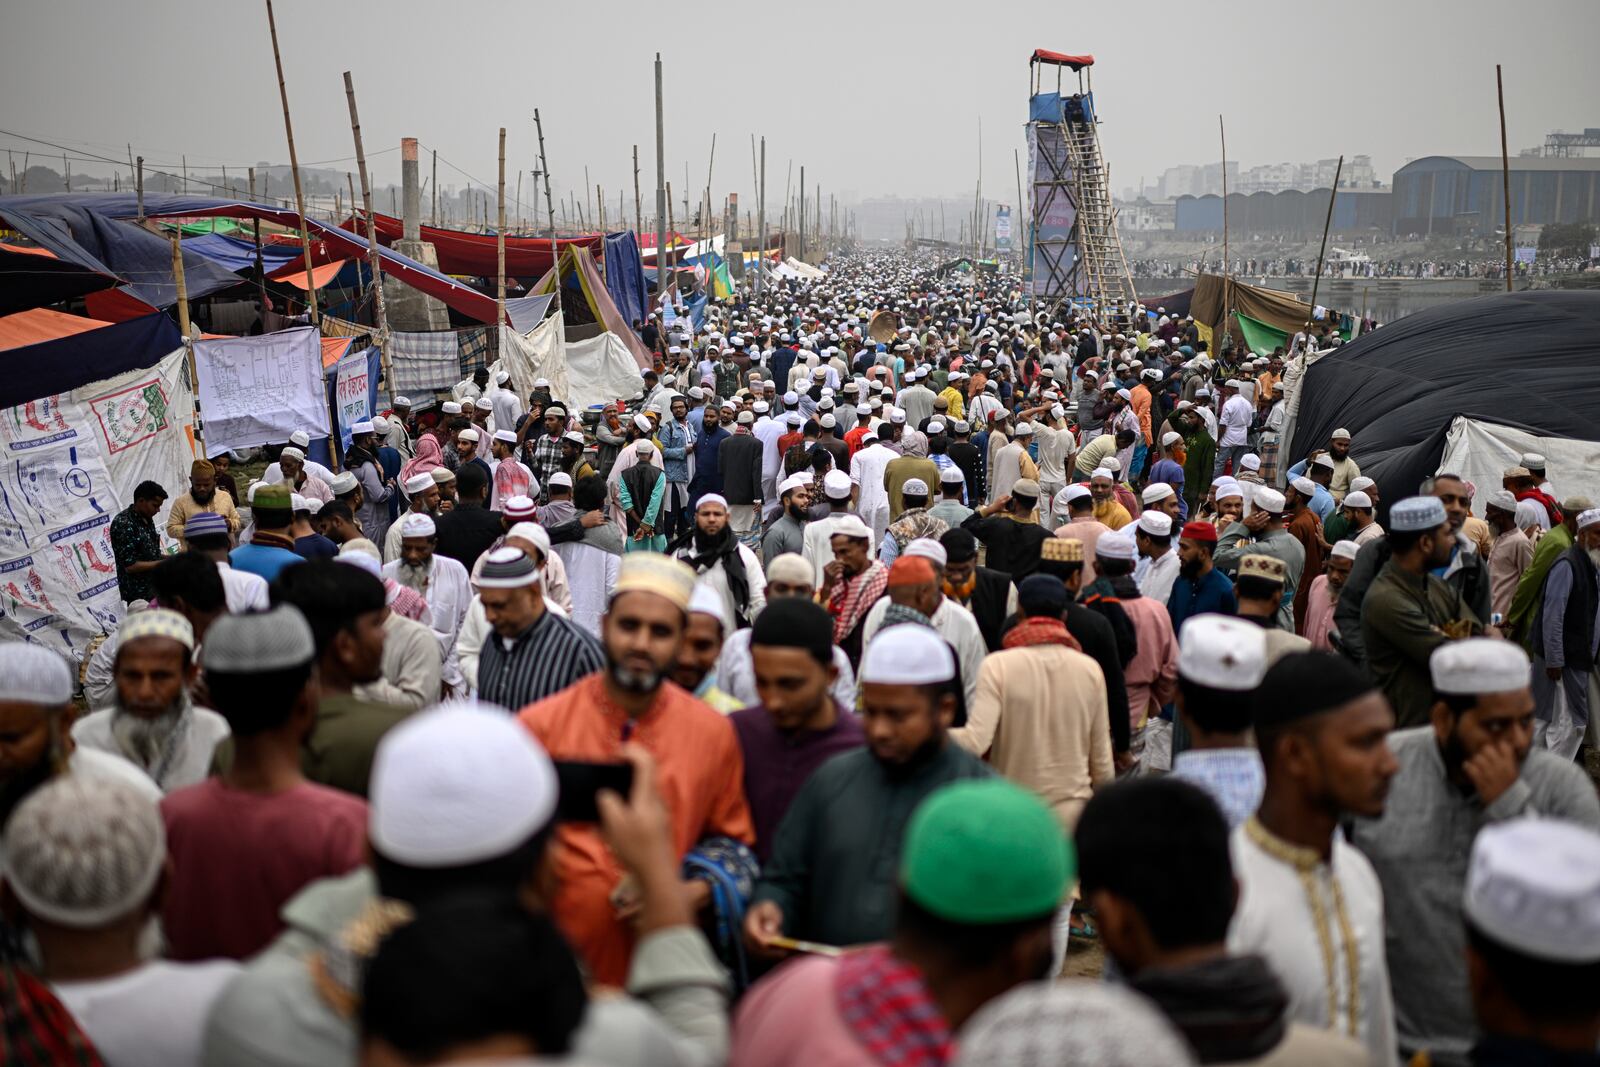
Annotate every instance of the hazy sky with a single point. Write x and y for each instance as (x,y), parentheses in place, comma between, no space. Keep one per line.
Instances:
(873,97)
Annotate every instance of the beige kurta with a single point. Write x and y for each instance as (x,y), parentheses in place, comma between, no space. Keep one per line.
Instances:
(1040,714)
(185,506)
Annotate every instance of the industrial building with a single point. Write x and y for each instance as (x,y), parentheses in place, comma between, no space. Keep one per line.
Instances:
(1464,194)
(1291,211)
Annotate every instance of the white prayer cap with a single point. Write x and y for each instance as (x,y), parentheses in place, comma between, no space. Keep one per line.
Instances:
(419,483)
(1323,460)
(360,428)
(836,484)
(1116,545)
(1362,484)
(935,426)
(560,480)
(1069,494)
(483,403)
(402,401)
(1304,486)
(914,487)
(1504,499)
(714,499)
(1588,518)
(1112,464)
(951,475)
(450,407)
(1221,652)
(1171,437)
(458,784)
(1057,411)
(1269,500)
(1479,665)
(797,480)
(508,567)
(1156,491)
(300,439)
(907,655)
(827,422)
(1417,514)
(298,503)
(520,506)
(896,416)
(291,452)
(541,383)
(34,675)
(380,424)
(358,558)
(1103,472)
(1024,429)
(469,435)
(508,437)
(1533,885)
(696,393)
(82,851)
(1357,499)
(962,426)
(416,524)
(642,422)
(258,641)
(502,378)
(928,549)
(1532,460)
(707,601)
(156,622)
(1156,523)
(1250,461)
(1341,434)
(791,397)
(1226,487)
(1124,394)
(851,526)
(792,568)
(1345,549)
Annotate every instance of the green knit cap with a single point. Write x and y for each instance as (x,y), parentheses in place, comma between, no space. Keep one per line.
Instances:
(272,496)
(986,851)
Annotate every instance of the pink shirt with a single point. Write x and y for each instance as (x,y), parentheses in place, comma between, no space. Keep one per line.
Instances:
(1319,613)
(1087,531)
(1152,674)
(791,1019)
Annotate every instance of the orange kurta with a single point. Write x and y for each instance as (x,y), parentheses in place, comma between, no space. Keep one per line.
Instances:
(700,771)
(1140,403)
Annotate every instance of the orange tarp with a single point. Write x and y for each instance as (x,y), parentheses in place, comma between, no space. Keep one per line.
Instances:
(42,324)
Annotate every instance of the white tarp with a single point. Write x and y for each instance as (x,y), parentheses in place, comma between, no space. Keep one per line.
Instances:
(1482,451)
(258,390)
(804,270)
(539,353)
(596,371)
(72,461)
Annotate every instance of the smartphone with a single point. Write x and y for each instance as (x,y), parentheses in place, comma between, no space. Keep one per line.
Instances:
(580,781)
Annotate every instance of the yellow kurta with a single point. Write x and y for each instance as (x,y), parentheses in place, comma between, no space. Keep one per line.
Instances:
(185,506)
(1113,514)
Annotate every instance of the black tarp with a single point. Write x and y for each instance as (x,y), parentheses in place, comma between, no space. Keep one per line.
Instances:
(1526,360)
(29,280)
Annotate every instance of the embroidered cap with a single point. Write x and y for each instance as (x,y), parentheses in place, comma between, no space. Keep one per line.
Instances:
(1220,652)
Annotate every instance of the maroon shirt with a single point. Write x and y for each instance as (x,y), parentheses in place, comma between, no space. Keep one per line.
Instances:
(776,764)
(238,857)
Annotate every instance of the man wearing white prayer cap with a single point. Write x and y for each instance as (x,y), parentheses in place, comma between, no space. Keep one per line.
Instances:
(1511,552)
(464,804)
(1472,767)
(423,493)
(788,531)
(1157,566)
(441,580)
(1221,661)
(1533,941)
(832,874)
(1262,533)
(33,707)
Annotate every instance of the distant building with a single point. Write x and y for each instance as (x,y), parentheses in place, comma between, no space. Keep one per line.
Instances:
(1465,194)
(1287,212)
(1142,215)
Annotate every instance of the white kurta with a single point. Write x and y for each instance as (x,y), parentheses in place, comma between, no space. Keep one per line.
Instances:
(243,591)
(191,762)
(1155,577)
(872,503)
(717,580)
(449,593)
(1274,919)
(412,665)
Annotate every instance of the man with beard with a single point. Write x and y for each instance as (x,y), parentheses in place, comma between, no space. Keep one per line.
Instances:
(678,456)
(1157,566)
(989,594)
(1151,674)
(534,652)
(292,464)
(799,723)
(466,450)
(511,476)
(271,548)
(956,946)
(1473,765)
(830,878)
(1408,611)
(1156,870)
(442,581)
(715,429)
(424,501)
(361,459)
(1563,641)
(34,709)
(1345,469)
(1108,510)
(1200,588)
(467,530)
(1325,590)
(154,723)
(202,496)
(851,583)
(695,750)
(788,531)
(914,523)
(723,564)
(1309,902)
(1010,530)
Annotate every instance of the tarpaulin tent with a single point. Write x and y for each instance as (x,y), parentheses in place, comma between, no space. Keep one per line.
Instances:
(34,277)
(1175,305)
(1524,361)
(83,228)
(64,364)
(237,254)
(476,255)
(624,273)
(37,325)
(1268,307)
(584,298)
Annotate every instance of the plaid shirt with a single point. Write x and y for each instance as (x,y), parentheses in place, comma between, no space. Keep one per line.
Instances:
(134,540)
(545,461)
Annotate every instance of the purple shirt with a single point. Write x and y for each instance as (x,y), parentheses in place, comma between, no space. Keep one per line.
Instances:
(776,764)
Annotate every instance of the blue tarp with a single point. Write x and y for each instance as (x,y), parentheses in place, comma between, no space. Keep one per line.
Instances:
(318,451)
(66,363)
(230,253)
(625,276)
(526,312)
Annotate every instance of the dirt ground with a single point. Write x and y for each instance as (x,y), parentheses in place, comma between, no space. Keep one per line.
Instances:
(1085,959)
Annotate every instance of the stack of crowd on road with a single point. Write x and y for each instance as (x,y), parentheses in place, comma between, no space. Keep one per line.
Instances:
(811,707)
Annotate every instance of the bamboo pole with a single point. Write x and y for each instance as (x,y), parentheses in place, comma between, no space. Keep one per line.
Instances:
(661,193)
(500,249)
(435,187)
(261,270)
(294,167)
(375,261)
(638,204)
(138,184)
(1315,281)
(555,249)
(183,327)
(1505,170)
(1227,267)
(761,209)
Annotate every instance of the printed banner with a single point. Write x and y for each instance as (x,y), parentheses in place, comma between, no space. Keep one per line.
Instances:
(1002,229)
(351,392)
(258,390)
(1526,254)
(70,463)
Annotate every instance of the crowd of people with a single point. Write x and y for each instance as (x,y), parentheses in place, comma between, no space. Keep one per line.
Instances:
(812,707)
(1246,267)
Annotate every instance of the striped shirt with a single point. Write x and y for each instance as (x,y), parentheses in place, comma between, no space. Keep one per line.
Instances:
(546,658)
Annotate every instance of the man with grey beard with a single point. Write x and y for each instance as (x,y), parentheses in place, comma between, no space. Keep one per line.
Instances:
(154,723)
(440,579)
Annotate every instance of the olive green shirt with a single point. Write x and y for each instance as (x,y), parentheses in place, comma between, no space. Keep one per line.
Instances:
(1402,620)
(341,746)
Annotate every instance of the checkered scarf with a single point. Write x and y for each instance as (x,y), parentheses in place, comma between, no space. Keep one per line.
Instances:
(35,1029)
(884,1003)
(851,599)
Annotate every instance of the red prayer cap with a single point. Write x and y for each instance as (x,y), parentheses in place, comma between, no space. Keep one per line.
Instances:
(1199,531)
(911,570)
